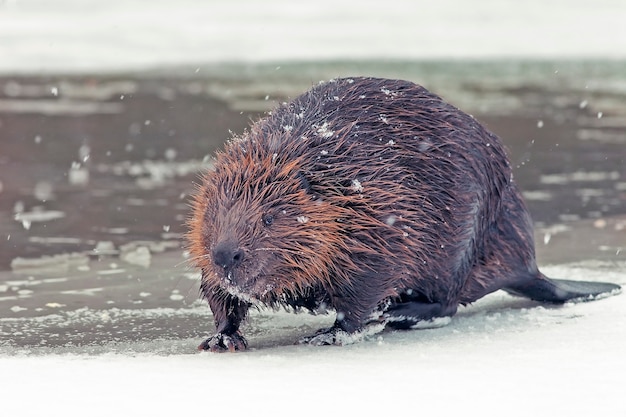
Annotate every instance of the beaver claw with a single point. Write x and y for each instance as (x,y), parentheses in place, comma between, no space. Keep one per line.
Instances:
(221,342)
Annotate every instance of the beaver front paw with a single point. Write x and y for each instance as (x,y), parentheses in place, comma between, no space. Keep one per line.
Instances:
(221,342)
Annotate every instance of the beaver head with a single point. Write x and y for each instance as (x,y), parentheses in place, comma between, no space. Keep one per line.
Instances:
(258,231)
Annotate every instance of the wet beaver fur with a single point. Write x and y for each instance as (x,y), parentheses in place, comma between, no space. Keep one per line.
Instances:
(372,197)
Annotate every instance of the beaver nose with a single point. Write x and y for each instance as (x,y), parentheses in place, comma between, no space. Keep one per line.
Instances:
(227,255)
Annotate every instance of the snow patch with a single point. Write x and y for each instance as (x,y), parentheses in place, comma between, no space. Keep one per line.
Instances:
(55,305)
(55,240)
(37,215)
(176,296)
(105,248)
(356,186)
(341,337)
(537,195)
(389,93)
(112,271)
(139,255)
(432,323)
(579,176)
(91,292)
(325,131)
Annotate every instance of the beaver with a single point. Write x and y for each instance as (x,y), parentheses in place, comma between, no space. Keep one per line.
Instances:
(371,197)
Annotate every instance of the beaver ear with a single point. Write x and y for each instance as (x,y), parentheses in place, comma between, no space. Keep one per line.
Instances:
(304,182)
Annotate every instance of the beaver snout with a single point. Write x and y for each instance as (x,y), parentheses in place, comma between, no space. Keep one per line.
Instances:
(227,255)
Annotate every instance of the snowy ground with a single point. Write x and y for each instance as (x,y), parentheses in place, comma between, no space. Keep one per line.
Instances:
(491,361)
(501,356)
(90,35)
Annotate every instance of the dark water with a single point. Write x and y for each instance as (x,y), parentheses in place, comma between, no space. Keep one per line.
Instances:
(141,146)
(93,163)
(142,137)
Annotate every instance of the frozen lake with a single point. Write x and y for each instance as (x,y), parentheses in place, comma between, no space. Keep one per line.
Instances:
(107,111)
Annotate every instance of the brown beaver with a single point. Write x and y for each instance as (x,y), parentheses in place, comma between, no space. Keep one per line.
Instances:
(372,197)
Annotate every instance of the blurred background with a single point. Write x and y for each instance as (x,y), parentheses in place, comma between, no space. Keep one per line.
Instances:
(108,111)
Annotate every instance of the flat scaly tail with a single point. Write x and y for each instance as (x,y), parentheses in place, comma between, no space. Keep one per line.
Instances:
(561,290)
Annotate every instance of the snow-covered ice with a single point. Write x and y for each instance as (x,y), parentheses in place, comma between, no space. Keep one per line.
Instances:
(501,355)
(66,35)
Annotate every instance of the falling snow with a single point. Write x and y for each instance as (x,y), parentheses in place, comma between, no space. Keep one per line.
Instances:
(541,357)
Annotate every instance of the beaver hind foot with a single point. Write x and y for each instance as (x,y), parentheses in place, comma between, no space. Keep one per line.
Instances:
(418,314)
(558,291)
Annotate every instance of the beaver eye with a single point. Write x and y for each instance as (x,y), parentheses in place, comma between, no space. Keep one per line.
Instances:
(268,219)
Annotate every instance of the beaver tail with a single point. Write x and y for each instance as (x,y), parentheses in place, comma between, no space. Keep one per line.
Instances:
(561,290)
